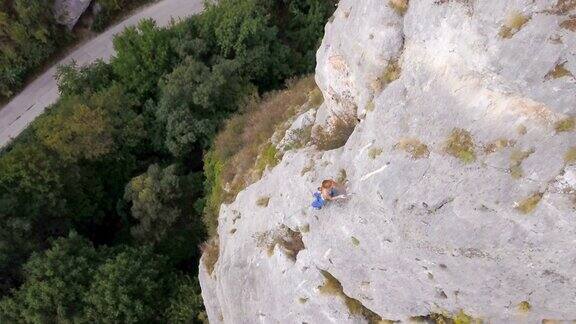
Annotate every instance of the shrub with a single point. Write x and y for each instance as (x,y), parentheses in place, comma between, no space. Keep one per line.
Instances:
(391,72)
(316,97)
(516,159)
(524,306)
(211,252)
(513,24)
(528,205)
(414,147)
(263,201)
(400,6)
(370,106)
(267,158)
(570,156)
(336,134)
(459,144)
(565,125)
(559,71)
(374,152)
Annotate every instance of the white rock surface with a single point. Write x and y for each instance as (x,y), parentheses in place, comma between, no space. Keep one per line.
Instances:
(433,234)
(67,12)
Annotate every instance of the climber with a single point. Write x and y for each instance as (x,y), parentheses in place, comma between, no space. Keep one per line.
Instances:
(328,191)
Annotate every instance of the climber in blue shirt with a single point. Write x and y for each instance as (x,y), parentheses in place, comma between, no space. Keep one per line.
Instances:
(325,193)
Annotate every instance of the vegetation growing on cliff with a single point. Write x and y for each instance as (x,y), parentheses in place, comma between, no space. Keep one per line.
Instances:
(118,162)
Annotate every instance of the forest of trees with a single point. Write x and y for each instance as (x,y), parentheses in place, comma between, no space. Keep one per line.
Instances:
(101,198)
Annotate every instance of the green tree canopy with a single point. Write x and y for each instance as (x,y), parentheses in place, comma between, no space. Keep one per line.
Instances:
(143,55)
(56,282)
(130,287)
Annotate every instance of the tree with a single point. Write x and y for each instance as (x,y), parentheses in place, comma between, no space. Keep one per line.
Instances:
(131,287)
(74,80)
(143,56)
(194,99)
(242,30)
(157,201)
(77,132)
(56,282)
(186,305)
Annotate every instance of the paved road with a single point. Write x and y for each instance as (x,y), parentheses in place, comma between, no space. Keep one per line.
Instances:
(43,91)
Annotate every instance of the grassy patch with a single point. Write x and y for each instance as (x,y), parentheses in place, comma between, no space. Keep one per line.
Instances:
(391,72)
(524,306)
(400,6)
(211,251)
(263,201)
(498,145)
(370,106)
(414,147)
(516,159)
(565,125)
(242,150)
(374,152)
(333,287)
(336,135)
(570,156)
(316,98)
(558,72)
(267,158)
(513,24)
(528,205)
(460,144)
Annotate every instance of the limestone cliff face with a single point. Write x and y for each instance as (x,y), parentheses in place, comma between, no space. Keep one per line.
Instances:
(461,173)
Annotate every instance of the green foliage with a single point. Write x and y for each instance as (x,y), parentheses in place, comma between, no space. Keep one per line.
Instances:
(186,305)
(29,35)
(461,145)
(194,98)
(143,56)
(268,158)
(55,284)
(242,30)
(74,282)
(159,201)
(74,80)
(214,191)
(126,288)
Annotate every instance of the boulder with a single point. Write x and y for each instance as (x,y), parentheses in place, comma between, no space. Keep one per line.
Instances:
(67,12)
